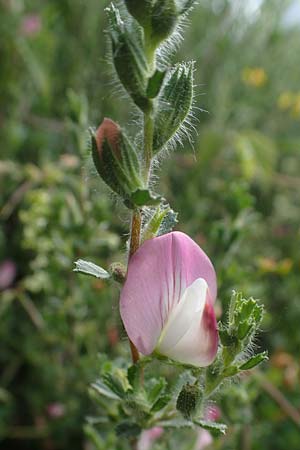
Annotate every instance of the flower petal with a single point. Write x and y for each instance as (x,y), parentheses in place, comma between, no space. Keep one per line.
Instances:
(190,335)
(158,274)
(183,314)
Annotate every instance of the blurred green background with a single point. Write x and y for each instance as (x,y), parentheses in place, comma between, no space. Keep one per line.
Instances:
(237,191)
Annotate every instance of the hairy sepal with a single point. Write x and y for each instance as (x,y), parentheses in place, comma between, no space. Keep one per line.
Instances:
(129,57)
(173,105)
(120,171)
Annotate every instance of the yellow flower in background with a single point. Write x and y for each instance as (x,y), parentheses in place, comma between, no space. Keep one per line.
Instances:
(296,106)
(285,100)
(255,76)
(290,101)
(270,265)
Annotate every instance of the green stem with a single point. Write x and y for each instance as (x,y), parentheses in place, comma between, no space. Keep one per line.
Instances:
(148,142)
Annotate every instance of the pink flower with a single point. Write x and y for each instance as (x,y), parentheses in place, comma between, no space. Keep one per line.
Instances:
(148,437)
(8,272)
(204,440)
(56,410)
(167,300)
(31,25)
(213,413)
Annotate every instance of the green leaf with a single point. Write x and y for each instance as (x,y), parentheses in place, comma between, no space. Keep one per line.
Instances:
(162,221)
(94,437)
(226,338)
(133,374)
(156,389)
(117,382)
(254,361)
(230,371)
(213,427)
(143,197)
(161,403)
(155,83)
(89,268)
(104,390)
(244,329)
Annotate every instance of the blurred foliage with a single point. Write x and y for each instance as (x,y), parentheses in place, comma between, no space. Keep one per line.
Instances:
(237,193)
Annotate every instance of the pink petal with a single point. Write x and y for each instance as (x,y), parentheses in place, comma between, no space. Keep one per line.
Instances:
(204,440)
(148,437)
(158,274)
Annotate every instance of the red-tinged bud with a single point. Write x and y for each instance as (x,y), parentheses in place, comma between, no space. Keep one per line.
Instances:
(108,130)
(116,159)
(117,163)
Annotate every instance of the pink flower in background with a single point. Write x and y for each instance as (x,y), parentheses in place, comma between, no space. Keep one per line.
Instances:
(148,437)
(56,410)
(213,413)
(205,439)
(8,272)
(167,300)
(31,25)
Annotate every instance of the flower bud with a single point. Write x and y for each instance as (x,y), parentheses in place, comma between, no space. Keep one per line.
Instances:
(163,21)
(115,159)
(167,300)
(174,105)
(188,400)
(159,18)
(140,10)
(129,58)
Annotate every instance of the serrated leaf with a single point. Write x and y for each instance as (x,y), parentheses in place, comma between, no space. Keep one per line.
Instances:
(254,361)
(244,329)
(226,338)
(213,427)
(246,308)
(104,390)
(89,268)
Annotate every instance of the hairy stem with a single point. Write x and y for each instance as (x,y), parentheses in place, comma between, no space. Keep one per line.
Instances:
(135,237)
(148,142)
